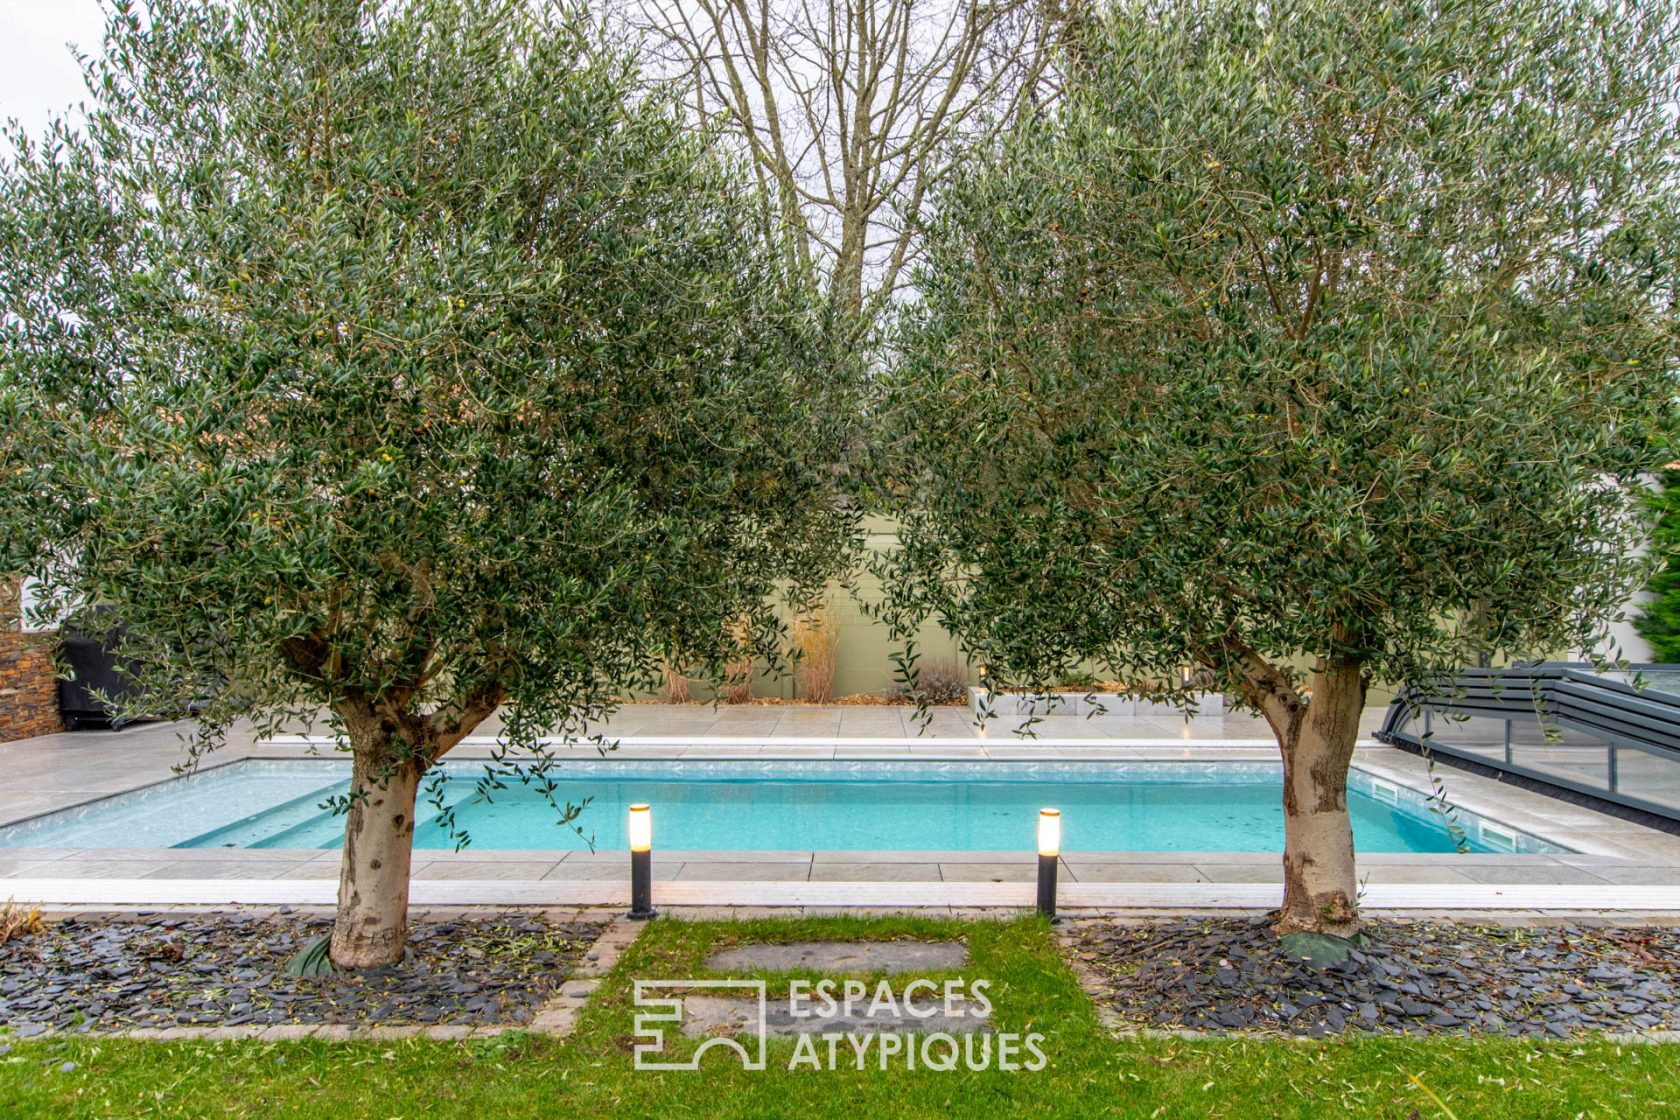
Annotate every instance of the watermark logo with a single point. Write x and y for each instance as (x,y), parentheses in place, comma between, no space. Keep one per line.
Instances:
(668,1010)
(939,1026)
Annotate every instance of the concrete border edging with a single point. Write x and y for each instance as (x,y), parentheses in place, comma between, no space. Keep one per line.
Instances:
(559,1016)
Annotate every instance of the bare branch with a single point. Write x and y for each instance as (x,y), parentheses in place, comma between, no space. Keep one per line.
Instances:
(851,110)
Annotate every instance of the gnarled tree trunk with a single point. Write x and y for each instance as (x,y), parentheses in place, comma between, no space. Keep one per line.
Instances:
(1320,887)
(371,928)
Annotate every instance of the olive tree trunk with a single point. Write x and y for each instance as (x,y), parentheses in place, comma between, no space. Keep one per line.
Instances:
(1320,887)
(371,928)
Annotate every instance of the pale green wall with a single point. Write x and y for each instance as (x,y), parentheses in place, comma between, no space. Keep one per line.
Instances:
(863,661)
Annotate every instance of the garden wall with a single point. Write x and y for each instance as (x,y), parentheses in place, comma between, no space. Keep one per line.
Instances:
(28,682)
(863,659)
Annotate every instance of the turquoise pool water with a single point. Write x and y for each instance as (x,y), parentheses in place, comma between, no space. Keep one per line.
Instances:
(776,805)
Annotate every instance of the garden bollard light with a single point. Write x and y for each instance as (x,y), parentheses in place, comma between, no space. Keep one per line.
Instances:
(1049,854)
(641,863)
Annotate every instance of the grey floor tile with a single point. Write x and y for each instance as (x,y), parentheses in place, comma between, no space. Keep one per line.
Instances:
(1024,872)
(220,869)
(95,869)
(889,856)
(605,873)
(1482,873)
(1134,873)
(751,872)
(475,854)
(1639,876)
(1420,874)
(697,856)
(875,873)
(497,869)
(1271,872)
(37,855)
(28,869)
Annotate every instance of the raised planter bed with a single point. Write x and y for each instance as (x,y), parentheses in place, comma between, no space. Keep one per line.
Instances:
(1017,705)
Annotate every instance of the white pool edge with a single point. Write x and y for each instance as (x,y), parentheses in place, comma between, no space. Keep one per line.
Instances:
(1072,896)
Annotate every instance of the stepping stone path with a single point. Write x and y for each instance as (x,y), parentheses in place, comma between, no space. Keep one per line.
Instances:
(840,957)
(705,1016)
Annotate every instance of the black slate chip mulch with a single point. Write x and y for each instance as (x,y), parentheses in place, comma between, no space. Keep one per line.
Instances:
(1233,975)
(226,970)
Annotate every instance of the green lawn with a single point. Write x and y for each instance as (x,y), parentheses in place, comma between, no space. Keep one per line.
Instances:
(1090,1074)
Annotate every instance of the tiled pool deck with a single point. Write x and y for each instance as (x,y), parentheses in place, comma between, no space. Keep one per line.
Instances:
(1615,865)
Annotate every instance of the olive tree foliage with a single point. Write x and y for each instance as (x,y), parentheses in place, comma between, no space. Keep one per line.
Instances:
(412,361)
(1659,610)
(1309,343)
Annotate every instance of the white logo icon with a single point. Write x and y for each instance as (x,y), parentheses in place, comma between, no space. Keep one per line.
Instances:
(650,1033)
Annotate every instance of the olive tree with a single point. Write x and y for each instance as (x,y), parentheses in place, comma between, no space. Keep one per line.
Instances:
(411,361)
(1310,343)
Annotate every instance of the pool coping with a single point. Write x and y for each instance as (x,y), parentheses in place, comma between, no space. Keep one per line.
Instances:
(1074,897)
(1616,865)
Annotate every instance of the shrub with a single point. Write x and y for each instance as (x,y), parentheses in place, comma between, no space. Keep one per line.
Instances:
(676,686)
(939,680)
(816,639)
(18,921)
(738,670)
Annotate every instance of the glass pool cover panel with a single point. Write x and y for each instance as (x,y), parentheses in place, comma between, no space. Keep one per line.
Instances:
(1613,735)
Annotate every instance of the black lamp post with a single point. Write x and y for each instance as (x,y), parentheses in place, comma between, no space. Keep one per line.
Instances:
(1049,854)
(641,863)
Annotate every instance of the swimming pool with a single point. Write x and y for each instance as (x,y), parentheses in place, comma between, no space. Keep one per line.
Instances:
(774,805)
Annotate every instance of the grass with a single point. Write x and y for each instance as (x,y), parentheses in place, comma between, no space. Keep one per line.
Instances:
(1090,1074)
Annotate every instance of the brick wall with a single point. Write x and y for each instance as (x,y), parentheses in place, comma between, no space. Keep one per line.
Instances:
(28,684)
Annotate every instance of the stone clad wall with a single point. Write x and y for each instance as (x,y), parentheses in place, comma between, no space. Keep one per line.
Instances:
(28,683)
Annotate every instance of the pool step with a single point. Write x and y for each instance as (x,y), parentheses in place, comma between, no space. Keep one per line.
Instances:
(267,828)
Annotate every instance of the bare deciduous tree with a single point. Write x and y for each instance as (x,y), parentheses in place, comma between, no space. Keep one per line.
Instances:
(851,110)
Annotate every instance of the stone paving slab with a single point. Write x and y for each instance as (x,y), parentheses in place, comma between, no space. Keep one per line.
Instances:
(707,1016)
(837,872)
(842,956)
(518,867)
(147,894)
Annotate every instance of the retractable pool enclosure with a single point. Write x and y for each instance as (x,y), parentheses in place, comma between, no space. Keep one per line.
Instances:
(1611,735)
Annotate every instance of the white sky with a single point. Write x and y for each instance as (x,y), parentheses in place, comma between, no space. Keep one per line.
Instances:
(38,74)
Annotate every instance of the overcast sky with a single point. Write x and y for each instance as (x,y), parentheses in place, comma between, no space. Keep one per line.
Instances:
(38,74)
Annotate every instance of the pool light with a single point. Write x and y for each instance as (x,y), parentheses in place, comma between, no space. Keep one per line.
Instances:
(641,862)
(1049,854)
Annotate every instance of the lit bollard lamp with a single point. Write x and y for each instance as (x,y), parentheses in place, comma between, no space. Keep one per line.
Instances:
(1049,854)
(641,863)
